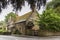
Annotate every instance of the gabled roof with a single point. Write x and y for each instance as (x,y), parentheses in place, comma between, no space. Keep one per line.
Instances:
(24,17)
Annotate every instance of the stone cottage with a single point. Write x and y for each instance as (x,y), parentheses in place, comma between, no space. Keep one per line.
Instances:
(27,24)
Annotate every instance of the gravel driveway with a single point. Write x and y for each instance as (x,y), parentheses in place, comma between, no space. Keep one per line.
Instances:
(3,37)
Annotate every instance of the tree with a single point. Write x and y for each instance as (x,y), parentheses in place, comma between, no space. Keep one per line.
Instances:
(17,4)
(49,21)
(53,4)
(10,15)
(3,26)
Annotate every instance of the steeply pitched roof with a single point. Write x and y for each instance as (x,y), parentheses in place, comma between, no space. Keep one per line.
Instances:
(23,17)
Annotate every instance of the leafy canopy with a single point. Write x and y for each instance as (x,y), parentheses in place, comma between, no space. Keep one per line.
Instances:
(53,4)
(17,4)
(13,15)
(49,21)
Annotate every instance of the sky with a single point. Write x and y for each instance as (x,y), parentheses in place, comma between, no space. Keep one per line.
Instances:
(24,10)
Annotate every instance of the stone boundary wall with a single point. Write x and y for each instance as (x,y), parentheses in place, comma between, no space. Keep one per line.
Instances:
(44,33)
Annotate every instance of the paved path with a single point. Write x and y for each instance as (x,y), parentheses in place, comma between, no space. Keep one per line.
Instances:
(2,37)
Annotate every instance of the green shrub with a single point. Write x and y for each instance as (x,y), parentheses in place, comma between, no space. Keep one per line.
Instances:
(49,21)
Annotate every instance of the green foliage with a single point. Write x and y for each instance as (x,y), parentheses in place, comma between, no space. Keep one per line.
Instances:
(49,21)
(18,4)
(2,26)
(10,15)
(53,4)
(57,10)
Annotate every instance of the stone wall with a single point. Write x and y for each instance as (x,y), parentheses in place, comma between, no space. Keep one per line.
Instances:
(21,27)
